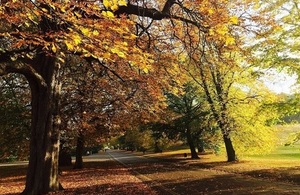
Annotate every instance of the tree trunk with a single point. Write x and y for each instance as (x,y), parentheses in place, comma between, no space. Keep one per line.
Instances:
(42,173)
(190,141)
(229,149)
(79,151)
(224,126)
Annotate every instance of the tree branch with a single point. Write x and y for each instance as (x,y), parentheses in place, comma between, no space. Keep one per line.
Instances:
(156,14)
(21,68)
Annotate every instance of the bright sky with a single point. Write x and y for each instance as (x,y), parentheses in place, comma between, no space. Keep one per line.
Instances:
(280,82)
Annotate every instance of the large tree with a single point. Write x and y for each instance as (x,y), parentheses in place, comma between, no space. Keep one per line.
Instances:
(191,116)
(133,40)
(35,37)
(219,59)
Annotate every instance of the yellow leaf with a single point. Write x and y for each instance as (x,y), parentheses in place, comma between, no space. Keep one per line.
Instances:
(53,48)
(85,31)
(63,9)
(229,40)
(44,10)
(108,14)
(211,31)
(145,70)
(211,11)
(114,7)
(30,16)
(30,56)
(222,30)
(123,3)
(118,52)
(107,3)
(69,45)
(95,32)
(78,14)
(13,58)
(234,20)
(52,6)
(76,39)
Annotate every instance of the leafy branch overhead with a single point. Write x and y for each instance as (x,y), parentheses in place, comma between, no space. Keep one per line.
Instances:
(77,27)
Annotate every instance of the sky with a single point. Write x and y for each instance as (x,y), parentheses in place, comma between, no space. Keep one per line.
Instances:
(280,82)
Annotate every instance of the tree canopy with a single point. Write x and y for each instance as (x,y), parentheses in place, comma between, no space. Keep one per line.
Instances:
(133,51)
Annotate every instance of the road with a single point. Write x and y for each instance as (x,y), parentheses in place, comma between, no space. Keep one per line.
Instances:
(177,177)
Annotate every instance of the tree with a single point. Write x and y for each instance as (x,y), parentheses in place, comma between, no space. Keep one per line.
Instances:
(97,104)
(35,37)
(192,114)
(218,59)
(280,50)
(137,139)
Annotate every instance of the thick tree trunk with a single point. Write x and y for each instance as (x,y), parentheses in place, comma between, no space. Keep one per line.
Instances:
(42,173)
(190,141)
(79,151)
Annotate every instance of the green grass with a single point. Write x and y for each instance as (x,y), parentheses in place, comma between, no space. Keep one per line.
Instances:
(281,153)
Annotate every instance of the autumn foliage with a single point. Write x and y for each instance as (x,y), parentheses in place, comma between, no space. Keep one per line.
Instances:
(106,65)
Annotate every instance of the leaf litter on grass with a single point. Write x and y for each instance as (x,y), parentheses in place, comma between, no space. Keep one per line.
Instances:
(103,178)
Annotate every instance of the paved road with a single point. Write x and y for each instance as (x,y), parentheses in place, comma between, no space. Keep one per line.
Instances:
(128,158)
(176,178)
(14,163)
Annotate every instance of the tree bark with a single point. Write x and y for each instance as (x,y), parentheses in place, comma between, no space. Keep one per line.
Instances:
(229,149)
(42,173)
(79,151)
(190,141)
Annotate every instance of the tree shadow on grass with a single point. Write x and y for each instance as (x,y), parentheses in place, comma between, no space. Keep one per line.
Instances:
(283,174)
(225,184)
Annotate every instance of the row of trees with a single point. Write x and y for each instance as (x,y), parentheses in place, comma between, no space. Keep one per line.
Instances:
(96,68)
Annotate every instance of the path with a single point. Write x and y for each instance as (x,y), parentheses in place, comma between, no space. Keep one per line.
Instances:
(102,175)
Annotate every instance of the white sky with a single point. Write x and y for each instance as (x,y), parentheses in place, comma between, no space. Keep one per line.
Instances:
(280,82)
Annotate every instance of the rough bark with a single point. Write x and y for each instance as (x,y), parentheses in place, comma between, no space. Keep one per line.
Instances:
(42,173)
